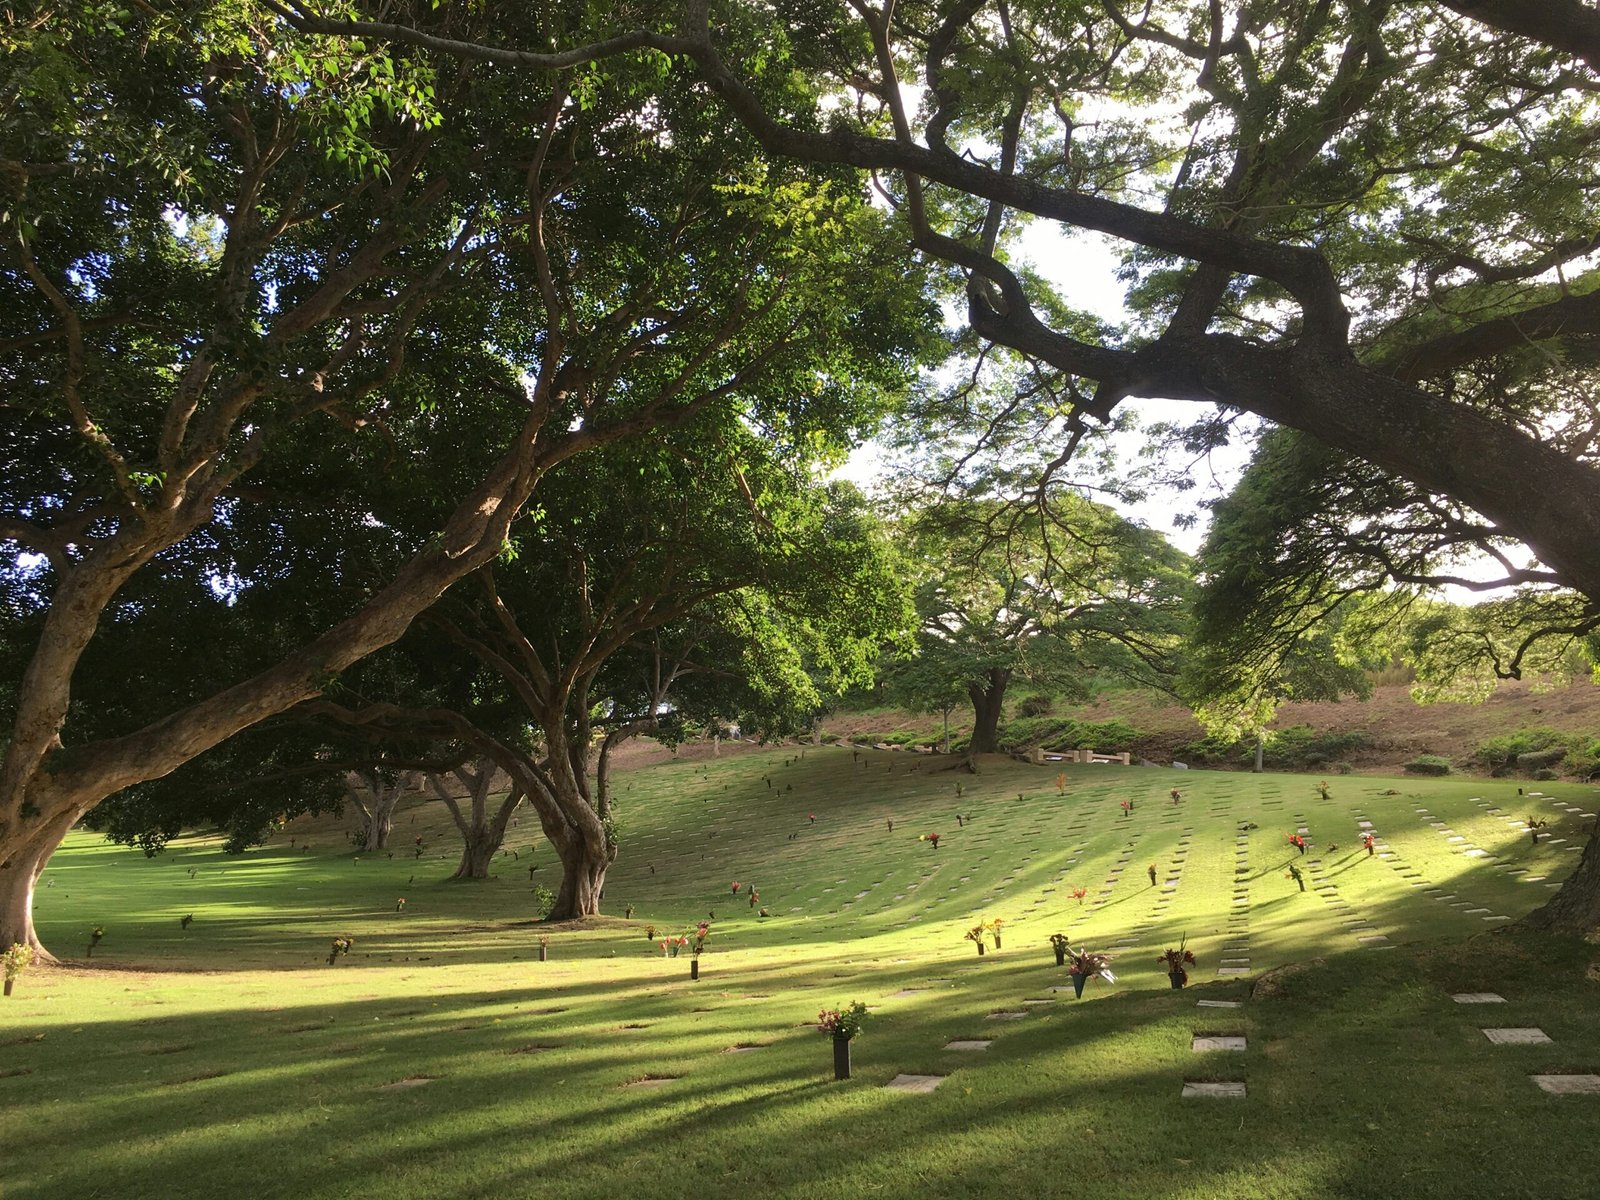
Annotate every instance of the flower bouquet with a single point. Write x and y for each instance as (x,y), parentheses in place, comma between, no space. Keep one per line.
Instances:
(16,960)
(1177,961)
(341,946)
(697,943)
(994,928)
(976,935)
(1058,943)
(1084,965)
(842,1024)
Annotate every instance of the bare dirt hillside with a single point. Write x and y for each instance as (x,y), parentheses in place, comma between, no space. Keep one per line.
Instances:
(1397,728)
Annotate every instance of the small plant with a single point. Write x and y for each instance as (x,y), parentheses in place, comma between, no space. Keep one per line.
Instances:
(1534,825)
(543,901)
(649,933)
(341,947)
(186,921)
(844,1022)
(932,838)
(1177,962)
(95,938)
(1296,875)
(17,959)
(1324,791)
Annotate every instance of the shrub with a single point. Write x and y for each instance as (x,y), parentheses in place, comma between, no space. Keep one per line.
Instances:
(1037,705)
(1502,752)
(1428,764)
(1343,768)
(1539,759)
(1103,737)
(1546,774)
(543,901)
(1303,746)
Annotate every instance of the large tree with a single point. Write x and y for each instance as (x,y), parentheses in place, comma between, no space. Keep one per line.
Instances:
(1369,220)
(1053,595)
(727,528)
(224,237)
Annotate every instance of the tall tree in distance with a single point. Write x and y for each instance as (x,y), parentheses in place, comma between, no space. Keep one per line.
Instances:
(1054,595)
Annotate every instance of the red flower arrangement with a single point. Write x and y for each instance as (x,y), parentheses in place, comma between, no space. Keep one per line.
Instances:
(1177,961)
(1079,893)
(736,886)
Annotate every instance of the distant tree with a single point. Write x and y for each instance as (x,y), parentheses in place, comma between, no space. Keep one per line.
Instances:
(1052,595)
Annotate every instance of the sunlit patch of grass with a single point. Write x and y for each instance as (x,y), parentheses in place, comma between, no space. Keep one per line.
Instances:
(228,1057)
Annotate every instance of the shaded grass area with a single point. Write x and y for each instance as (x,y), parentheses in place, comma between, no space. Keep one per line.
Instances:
(251,1066)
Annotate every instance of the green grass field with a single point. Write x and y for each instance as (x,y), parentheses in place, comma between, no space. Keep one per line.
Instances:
(441,1059)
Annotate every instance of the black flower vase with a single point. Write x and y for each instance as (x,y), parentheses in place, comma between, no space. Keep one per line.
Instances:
(841,1056)
(1061,957)
(694,968)
(1077,985)
(1178,979)
(980,949)
(997,941)
(544,953)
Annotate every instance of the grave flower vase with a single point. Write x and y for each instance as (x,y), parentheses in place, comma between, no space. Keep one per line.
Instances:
(997,941)
(1077,985)
(1061,957)
(9,982)
(841,1056)
(544,953)
(980,949)
(1178,978)
(694,968)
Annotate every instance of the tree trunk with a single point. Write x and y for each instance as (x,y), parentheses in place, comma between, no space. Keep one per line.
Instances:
(1575,909)
(18,878)
(481,835)
(986,703)
(377,814)
(1261,742)
(482,844)
(583,877)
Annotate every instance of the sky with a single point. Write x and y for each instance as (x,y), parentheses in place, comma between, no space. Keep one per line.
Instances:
(1082,267)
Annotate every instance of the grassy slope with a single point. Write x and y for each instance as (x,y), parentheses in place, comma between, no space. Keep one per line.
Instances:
(256,1069)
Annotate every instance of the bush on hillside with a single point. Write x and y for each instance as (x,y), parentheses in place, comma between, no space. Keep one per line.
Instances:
(1058,734)
(1298,747)
(1545,774)
(1500,754)
(1303,746)
(1037,705)
(1428,764)
(1540,759)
